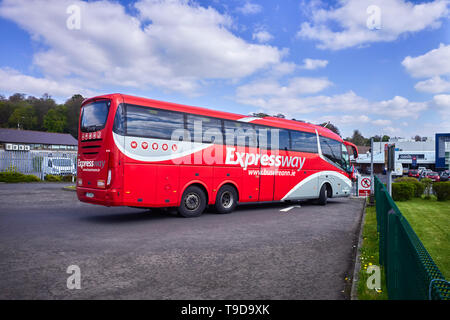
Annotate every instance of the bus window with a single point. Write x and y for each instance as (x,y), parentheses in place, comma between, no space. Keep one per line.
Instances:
(119,121)
(240,134)
(263,137)
(94,115)
(332,150)
(148,122)
(280,139)
(211,129)
(304,141)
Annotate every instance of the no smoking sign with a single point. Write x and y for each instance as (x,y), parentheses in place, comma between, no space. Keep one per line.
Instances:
(364,184)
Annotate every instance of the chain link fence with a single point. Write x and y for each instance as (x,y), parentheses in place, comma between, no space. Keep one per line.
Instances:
(411,273)
(39,163)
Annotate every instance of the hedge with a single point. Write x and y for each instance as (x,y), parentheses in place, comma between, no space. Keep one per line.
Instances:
(419,187)
(442,190)
(17,177)
(402,191)
(52,178)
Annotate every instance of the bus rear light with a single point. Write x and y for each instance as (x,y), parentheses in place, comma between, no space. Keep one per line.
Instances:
(108,181)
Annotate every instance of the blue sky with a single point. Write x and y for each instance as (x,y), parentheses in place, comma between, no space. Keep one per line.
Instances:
(380,66)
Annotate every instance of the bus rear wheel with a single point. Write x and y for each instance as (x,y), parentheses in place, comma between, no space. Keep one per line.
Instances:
(226,199)
(193,202)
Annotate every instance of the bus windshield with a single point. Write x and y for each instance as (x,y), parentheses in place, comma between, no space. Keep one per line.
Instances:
(335,151)
(94,115)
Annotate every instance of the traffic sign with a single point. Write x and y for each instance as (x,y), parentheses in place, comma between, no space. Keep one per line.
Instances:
(364,184)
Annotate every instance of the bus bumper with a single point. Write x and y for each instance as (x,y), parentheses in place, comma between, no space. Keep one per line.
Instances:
(104,197)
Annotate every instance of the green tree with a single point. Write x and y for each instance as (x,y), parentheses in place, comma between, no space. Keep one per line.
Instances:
(41,106)
(23,117)
(6,110)
(56,120)
(358,139)
(259,114)
(73,106)
(331,126)
(385,138)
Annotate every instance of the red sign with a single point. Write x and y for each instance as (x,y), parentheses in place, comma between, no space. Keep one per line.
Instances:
(365,183)
(364,193)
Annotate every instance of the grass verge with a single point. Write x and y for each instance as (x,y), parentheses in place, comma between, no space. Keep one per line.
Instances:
(369,255)
(430,219)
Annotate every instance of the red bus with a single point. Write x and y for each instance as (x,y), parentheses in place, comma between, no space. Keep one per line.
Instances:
(146,153)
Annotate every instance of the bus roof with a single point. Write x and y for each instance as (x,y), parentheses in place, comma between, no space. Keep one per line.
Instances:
(266,121)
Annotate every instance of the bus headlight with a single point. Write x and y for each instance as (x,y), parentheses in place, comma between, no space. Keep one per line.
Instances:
(101,183)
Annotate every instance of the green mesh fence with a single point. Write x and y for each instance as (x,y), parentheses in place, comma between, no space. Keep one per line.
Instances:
(410,271)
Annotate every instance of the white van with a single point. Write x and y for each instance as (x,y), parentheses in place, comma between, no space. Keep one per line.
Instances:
(58,166)
(398,172)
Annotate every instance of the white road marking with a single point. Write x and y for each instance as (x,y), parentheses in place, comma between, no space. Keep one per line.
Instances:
(289,208)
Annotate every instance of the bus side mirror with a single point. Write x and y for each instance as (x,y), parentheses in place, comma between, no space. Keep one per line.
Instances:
(355,153)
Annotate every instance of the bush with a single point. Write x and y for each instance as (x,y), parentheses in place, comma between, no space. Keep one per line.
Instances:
(68,178)
(13,177)
(52,178)
(419,187)
(402,191)
(442,190)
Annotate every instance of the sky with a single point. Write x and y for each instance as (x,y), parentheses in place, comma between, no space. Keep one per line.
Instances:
(379,66)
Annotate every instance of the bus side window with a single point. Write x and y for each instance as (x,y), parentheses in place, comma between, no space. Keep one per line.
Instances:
(119,126)
(49,163)
(204,129)
(240,134)
(152,123)
(304,141)
(280,139)
(263,137)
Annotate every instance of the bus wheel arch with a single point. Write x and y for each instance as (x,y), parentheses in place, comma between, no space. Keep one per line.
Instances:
(326,191)
(199,185)
(232,184)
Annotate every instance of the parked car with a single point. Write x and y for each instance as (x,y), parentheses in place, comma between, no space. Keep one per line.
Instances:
(444,175)
(413,173)
(432,175)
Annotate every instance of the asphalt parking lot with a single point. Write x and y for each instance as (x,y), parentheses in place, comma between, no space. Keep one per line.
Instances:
(257,252)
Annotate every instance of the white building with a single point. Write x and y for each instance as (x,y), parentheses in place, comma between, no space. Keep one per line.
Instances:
(405,152)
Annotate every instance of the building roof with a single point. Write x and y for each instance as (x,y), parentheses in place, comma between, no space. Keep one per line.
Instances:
(36,137)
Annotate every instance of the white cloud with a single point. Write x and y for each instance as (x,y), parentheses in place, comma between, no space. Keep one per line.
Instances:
(345,26)
(399,107)
(433,63)
(183,46)
(262,36)
(14,82)
(442,102)
(311,64)
(433,85)
(382,122)
(296,86)
(249,8)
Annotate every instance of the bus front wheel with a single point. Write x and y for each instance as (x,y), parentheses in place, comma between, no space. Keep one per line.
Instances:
(226,199)
(323,195)
(193,202)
